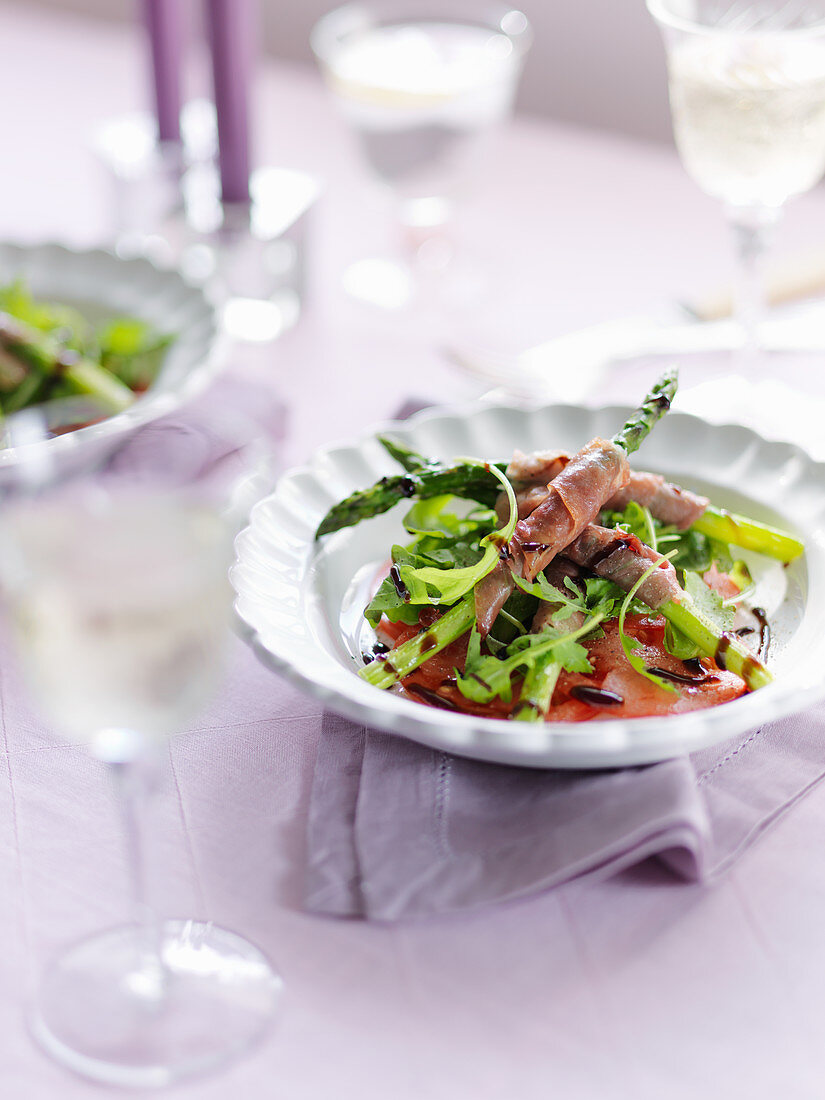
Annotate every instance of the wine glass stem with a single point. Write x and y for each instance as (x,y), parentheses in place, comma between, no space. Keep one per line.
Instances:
(426,235)
(751,234)
(134,781)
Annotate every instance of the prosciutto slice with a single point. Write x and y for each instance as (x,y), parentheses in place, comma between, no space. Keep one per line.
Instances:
(574,499)
(527,500)
(623,559)
(666,502)
(491,594)
(532,473)
(537,468)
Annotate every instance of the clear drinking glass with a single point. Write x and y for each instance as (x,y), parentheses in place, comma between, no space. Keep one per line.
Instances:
(116,592)
(747,97)
(423,86)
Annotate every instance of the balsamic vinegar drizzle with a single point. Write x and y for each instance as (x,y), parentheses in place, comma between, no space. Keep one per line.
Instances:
(377,651)
(400,587)
(764,631)
(682,677)
(606,551)
(431,697)
(721,649)
(596,697)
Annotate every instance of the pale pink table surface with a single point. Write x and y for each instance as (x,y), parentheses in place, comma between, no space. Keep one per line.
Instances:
(628,989)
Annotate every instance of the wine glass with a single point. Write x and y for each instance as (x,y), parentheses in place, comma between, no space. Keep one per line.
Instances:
(747,97)
(117,596)
(423,87)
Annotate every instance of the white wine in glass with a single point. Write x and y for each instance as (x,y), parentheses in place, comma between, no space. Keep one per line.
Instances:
(747,96)
(423,86)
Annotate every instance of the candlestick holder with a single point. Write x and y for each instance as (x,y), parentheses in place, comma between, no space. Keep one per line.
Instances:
(250,255)
(145,174)
(166,205)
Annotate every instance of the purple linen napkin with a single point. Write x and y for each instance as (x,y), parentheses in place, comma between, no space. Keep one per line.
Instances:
(397,830)
(205,433)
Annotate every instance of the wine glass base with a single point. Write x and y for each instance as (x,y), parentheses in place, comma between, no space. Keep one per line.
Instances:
(105,1014)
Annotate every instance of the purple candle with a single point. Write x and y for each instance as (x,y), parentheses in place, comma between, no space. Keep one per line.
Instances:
(229,24)
(164,22)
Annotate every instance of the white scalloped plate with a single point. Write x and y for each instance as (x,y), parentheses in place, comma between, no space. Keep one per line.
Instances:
(297,599)
(101,285)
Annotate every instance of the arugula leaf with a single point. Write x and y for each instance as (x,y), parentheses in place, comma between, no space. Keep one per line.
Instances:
(687,549)
(435,585)
(636,520)
(519,609)
(485,677)
(74,330)
(693,549)
(678,644)
(437,517)
(447,533)
(397,606)
(542,590)
(720,552)
(600,596)
(132,349)
(388,602)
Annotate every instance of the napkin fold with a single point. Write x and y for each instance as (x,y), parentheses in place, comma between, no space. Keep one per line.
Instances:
(398,830)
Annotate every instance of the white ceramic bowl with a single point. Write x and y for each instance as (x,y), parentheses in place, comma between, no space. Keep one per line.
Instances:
(299,601)
(101,285)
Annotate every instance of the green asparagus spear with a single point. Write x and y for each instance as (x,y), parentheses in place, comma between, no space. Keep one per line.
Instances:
(409,655)
(537,691)
(726,649)
(25,394)
(109,393)
(653,408)
(539,682)
(412,461)
(46,357)
(747,533)
(466,480)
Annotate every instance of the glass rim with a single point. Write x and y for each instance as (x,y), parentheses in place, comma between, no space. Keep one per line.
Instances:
(339,22)
(667,19)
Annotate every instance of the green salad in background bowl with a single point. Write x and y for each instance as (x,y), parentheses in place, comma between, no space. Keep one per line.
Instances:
(125,340)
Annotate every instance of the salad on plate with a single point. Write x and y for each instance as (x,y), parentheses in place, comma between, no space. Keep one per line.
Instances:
(52,352)
(559,587)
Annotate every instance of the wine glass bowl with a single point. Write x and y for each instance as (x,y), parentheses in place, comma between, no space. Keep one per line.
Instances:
(124,627)
(747,96)
(423,88)
(115,582)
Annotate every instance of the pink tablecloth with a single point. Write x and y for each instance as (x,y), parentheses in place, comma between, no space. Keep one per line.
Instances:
(627,989)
